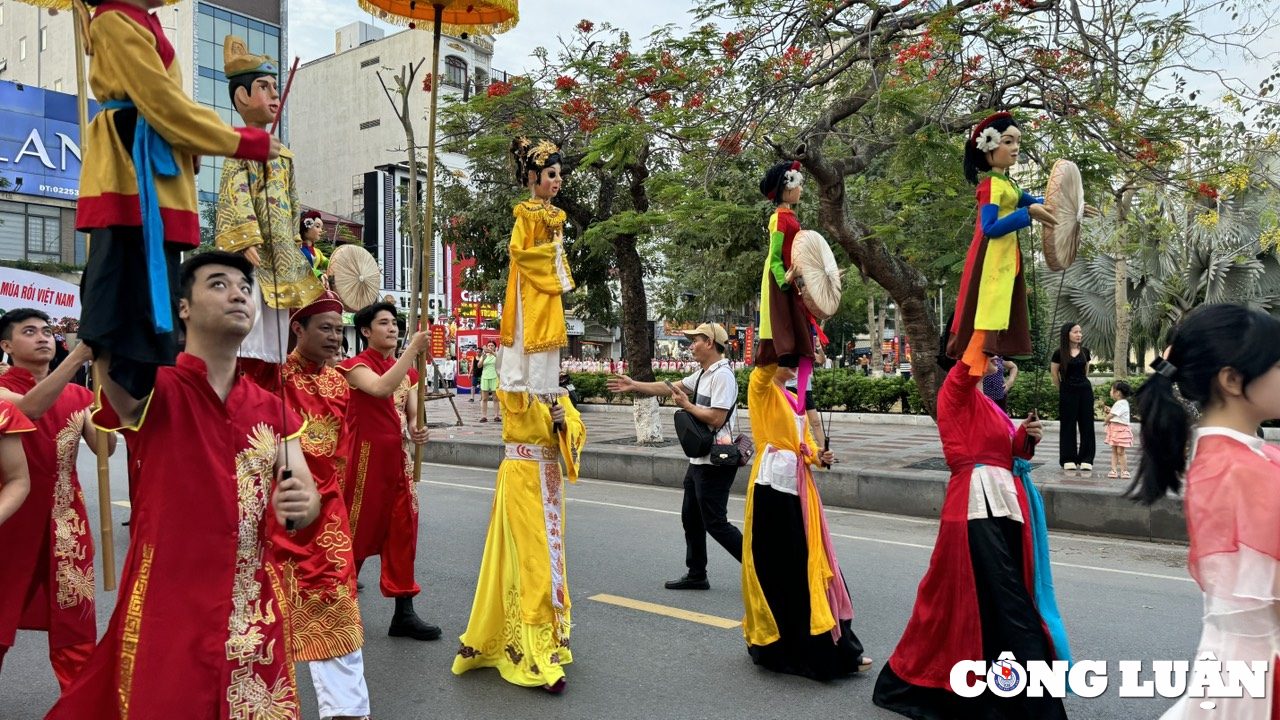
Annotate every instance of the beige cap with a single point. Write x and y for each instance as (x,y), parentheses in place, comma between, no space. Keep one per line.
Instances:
(712,330)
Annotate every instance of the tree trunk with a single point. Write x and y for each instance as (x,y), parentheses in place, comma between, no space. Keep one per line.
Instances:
(877,348)
(1120,252)
(905,285)
(636,348)
(872,343)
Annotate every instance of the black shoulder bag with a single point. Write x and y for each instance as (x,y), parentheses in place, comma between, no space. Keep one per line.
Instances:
(695,436)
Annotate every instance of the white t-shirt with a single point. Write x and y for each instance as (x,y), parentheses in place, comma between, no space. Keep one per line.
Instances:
(1120,412)
(719,389)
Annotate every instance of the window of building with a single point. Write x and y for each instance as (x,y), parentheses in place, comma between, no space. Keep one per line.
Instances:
(370,124)
(57,85)
(370,61)
(455,71)
(1,13)
(44,38)
(30,232)
(22,49)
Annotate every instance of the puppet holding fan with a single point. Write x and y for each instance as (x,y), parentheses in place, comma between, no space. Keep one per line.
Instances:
(991,311)
(800,284)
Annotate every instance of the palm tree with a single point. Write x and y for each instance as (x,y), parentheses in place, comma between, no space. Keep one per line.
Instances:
(1187,249)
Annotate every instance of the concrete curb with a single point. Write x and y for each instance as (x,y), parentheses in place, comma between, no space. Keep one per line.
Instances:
(1270,433)
(918,493)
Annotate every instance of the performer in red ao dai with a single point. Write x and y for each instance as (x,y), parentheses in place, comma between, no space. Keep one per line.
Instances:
(199,631)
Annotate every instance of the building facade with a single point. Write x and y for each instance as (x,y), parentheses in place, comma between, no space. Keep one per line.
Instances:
(352,152)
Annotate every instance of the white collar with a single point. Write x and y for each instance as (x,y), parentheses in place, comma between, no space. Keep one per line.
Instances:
(1253,442)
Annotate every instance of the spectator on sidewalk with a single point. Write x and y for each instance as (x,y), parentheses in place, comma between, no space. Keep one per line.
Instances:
(1070,373)
(709,394)
(996,386)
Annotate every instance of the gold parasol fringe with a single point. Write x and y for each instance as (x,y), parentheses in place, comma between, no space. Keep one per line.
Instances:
(506,12)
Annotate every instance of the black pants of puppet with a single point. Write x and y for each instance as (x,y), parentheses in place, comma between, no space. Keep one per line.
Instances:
(1010,623)
(780,551)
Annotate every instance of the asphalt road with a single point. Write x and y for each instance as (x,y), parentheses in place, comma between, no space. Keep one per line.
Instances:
(1121,600)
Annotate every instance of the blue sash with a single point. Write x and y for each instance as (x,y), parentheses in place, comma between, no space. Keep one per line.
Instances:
(152,155)
(1046,601)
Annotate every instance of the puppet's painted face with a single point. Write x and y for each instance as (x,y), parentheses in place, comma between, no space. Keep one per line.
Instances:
(791,196)
(312,230)
(548,183)
(1006,155)
(259,106)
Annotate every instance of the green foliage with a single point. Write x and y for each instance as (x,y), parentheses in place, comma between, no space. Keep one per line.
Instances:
(43,267)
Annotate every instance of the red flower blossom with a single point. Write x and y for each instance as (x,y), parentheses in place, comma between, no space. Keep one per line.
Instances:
(646,77)
(586,26)
(1207,191)
(564,82)
(619,59)
(498,89)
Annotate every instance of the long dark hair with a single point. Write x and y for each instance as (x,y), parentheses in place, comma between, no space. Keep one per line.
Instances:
(1211,338)
(975,160)
(1064,349)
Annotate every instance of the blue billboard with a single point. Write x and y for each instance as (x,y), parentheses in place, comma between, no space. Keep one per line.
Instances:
(39,141)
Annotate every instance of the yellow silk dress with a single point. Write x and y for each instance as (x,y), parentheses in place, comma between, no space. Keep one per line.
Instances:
(520,618)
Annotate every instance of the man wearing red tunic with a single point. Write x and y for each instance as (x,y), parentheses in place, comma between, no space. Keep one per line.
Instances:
(381,499)
(316,565)
(199,631)
(46,570)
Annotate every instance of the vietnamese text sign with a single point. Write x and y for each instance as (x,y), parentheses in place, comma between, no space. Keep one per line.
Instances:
(23,289)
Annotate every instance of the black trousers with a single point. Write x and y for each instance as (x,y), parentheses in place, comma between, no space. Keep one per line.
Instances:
(706,512)
(1075,412)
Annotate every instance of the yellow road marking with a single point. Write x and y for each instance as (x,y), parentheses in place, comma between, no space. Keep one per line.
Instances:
(122,503)
(677,613)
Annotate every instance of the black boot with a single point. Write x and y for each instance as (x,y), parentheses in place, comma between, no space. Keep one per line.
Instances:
(689,582)
(406,623)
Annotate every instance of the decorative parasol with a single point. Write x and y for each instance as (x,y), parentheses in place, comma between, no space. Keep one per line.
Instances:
(813,263)
(106,534)
(456,17)
(355,276)
(1064,197)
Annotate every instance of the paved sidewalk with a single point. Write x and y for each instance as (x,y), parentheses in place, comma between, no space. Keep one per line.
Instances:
(885,463)
(862,441)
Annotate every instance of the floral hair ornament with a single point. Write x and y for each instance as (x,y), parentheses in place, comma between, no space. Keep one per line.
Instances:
(542,152)
(1165,368)
(792,179)
(985,137)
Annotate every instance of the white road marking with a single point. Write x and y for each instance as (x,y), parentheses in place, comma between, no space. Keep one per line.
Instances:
(859,538)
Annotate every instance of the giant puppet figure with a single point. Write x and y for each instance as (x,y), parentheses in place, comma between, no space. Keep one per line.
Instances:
(258,211)
(991,311)
(138,191)
(520,618)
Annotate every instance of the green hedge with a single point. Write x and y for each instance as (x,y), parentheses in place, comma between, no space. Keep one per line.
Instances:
(851,391)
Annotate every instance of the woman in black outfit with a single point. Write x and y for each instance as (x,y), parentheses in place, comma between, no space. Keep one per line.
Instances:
(1070,373)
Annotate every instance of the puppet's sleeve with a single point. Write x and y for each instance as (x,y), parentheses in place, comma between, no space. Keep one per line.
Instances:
(126,51)
(776,266)
(994,226)
(237,226)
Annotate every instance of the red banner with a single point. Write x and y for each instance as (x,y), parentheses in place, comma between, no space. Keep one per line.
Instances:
(439,336)
(468,312)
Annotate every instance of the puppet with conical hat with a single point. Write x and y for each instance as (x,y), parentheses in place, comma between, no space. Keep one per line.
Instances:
(258,210)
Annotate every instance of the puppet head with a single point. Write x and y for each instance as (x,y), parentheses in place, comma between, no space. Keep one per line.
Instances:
(782,183)
(251,81)
(311,227)
(983,142)
(537,166)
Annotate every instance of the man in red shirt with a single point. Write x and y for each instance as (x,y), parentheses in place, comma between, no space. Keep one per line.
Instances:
(316,565)
(46,571)
(381,499)
(199,630)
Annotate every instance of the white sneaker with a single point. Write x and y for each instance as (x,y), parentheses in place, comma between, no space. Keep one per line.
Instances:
(1086,467)
(1069,466)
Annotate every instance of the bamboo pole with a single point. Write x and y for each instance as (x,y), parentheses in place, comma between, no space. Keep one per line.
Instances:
(106,533)
(428,234)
